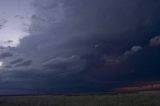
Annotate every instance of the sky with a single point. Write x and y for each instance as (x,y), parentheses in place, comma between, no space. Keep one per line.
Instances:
(62,46)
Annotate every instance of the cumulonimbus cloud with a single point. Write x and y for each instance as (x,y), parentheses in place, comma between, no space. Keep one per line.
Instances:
(64,35)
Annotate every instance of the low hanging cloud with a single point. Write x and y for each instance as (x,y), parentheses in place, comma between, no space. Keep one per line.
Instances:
(155,41)
(133,50)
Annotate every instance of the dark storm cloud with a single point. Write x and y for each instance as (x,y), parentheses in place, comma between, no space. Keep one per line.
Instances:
(5,55)
(22,80)
(70,38)
(75,27)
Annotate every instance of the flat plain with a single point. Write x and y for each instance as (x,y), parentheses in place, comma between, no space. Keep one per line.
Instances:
(119,99)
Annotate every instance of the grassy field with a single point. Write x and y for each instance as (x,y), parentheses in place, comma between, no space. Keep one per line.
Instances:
(83,100)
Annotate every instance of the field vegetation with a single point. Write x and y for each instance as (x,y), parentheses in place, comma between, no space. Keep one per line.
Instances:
(131,99)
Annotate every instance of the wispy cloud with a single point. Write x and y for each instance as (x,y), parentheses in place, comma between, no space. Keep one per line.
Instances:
(16,61)
(133,50)
(24,64)
(155,41)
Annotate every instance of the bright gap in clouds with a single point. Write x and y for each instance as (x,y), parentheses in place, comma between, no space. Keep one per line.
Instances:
(1,63)
(15,19)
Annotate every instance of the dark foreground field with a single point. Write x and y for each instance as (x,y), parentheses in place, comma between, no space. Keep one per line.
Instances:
(137,99)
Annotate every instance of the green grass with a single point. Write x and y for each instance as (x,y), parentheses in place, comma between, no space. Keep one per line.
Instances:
(83,100)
